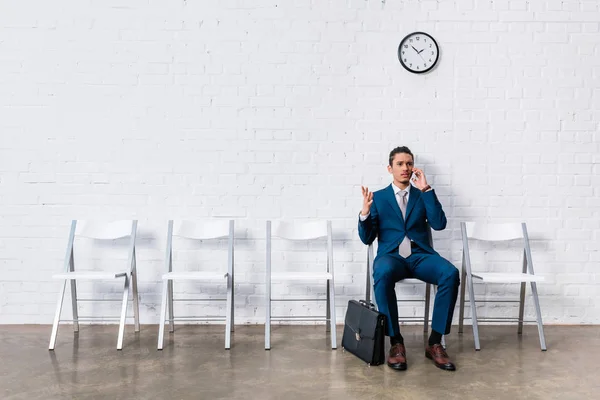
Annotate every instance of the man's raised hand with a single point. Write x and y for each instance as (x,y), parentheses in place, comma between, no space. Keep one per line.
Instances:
(367,200)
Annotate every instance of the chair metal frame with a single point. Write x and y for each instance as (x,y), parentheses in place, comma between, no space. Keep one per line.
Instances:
(204,231)
(105,231)
(302,231)
(484,232)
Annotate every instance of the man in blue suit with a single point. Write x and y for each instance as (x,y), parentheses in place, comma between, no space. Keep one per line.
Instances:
(398,216)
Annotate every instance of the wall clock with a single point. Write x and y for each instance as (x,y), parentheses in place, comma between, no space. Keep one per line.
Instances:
(418,52)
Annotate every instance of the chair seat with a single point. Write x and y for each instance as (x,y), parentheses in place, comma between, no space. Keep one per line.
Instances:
(411,281)
(501,277)
(195,276)
(301,276)
(90,275)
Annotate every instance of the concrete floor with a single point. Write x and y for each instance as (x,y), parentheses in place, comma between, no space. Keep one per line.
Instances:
(300,365)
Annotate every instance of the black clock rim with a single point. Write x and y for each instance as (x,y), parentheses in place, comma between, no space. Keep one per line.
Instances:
(434,62)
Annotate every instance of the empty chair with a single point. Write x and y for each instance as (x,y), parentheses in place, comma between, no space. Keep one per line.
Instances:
(481,274)
(212,229)
(301,231)
(100,231)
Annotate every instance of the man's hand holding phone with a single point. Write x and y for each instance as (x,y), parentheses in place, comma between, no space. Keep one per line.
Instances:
(419,180)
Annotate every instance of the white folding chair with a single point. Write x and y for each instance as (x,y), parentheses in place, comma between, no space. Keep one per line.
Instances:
(495,233)
(99,231)
(211,229)
(301,231)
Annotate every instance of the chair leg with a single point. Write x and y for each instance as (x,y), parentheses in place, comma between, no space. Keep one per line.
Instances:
(332,319)
(538,312)
(473,313)
(522,297)
(170,299)
(521,308)
(229,313)
(232,304)
(328,312)
(74,305)
(461,307)
(268,318)
(268,291)
(123,313)
(61,296)
(427,303)
(136,301)
(163,315)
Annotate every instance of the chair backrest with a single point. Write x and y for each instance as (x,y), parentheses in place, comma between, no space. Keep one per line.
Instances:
(494,232)
(98,230)
(209,229)
(105,230)
(301,231)
(200,230)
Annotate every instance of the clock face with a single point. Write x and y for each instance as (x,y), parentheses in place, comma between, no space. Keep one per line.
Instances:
(418,52)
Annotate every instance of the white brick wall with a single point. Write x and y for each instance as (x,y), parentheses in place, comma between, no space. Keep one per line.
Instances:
(258,110)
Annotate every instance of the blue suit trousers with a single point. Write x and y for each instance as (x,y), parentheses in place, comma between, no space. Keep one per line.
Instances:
(431,268)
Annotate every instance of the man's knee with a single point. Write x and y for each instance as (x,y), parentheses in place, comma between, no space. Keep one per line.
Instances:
(451,276)
(383,272)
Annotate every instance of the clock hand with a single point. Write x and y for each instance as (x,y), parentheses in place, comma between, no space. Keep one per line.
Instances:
(414,48)
(419,52)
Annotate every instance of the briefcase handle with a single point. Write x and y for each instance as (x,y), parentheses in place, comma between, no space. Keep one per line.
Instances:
(369,305)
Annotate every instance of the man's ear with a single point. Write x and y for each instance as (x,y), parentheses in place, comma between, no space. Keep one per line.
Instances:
(389,168)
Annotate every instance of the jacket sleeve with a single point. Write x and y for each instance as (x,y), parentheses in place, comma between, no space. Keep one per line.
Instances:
(433,208)
(369,228)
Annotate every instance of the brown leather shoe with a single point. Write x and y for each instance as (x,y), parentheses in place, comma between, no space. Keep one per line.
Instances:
(439,357)
(397,357)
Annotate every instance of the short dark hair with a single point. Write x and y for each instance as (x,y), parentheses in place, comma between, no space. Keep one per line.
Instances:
(398,150)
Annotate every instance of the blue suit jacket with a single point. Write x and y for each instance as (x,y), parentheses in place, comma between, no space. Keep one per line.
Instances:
(386,223)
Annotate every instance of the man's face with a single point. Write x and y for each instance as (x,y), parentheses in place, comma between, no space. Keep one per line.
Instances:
(401,168)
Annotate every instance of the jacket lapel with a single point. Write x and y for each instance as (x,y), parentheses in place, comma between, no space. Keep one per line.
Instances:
(412,199)
(391,197)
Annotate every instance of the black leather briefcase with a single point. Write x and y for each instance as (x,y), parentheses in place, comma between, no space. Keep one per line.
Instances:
(364,332)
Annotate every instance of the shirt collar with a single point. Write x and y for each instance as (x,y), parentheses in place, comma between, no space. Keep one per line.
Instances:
(397,189)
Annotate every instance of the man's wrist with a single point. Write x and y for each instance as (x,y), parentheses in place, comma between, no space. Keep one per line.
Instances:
(426,189)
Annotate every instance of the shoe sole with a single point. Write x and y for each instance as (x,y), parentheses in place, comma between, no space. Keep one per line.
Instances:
(398,367)
(444,367)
